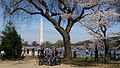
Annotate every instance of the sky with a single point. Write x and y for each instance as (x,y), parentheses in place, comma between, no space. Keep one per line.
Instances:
(31,32)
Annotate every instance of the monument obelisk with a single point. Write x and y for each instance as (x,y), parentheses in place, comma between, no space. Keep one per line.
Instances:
(41,31)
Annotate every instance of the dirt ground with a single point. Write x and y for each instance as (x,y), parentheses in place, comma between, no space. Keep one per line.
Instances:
(33,64)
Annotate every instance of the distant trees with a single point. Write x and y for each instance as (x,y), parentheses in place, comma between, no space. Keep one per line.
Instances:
(34,43)
(59,43)
(83,42)
(11,42)
(47,43)
(25,43)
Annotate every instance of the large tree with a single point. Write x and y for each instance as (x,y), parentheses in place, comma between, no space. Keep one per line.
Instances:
(55,11)
(98,23)
(11,42)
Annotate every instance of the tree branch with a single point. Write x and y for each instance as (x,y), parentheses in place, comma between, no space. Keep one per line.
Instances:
(44,4)
(32,13)
(66,7)
(16,3)
(55,14)
(62,9)
(73,8)
(35,5)
(54,22)
(80,16)
(103,29)
(59,21)
(69,25)
(92,30)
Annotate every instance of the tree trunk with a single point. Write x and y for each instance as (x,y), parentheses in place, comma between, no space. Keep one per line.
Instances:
(67,43)
(106,50)
(67,46)
(104,29)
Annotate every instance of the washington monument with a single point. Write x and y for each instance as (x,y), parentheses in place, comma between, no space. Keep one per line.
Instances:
(41,31)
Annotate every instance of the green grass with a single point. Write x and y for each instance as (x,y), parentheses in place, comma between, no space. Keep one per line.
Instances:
(84,62)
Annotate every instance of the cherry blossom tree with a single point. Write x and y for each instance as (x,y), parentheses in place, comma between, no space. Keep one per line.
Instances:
(98,22)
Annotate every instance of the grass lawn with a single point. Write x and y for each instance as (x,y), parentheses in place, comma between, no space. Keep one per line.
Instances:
(91,62)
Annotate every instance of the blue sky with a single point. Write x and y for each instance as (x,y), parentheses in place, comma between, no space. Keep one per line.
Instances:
(30,32)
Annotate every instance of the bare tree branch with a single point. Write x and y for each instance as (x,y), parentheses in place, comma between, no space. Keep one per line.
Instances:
(32,13)
(16,3)
(74,6)
(55,14)
(69,25)
(82,12)
(44,4)
(66,7)
(36,6)
(59,21)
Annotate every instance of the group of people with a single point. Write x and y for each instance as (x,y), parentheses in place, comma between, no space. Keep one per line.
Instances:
(49,57)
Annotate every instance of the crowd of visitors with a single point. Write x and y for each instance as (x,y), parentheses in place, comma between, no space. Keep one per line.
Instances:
(49,57)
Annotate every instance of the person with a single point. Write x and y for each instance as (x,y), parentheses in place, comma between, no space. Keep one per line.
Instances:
(2,55)
(27,51)
(114,55)
(101,54)
(41,57)
(74,54)
(55,60)
(87,55)
(55,52)
(61,54)
(109,54)
(96,53)
(33,51)
(91,54)
(42,53)
(55,56)
(117,56)
(87,52)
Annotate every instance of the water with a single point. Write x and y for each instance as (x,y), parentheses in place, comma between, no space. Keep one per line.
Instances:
(83,52)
